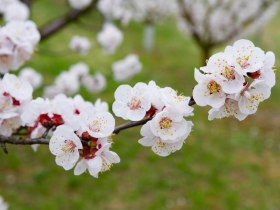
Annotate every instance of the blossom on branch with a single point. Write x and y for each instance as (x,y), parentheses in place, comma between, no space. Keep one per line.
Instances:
(234,82)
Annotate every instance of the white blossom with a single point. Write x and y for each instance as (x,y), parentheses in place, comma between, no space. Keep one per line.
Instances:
(16,11)
(8,126)
(95,83)
(17,40)
(17,88)
(31,76)
(79,4)
(132,103)
(96,124)
(126,68)
(208,91)
(160,147)
(169,125)
(252,95)
(80,44)
(65,145)
(110,38)
(79,69)
(3,205)
(230,108)
(100,162)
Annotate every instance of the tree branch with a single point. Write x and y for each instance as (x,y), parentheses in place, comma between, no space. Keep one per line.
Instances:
(29,141)
(58,24)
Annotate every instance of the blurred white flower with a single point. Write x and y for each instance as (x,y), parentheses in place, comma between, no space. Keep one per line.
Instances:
(67,83)
(95,83)
(126,68)
(80,44)
(79,4)
(16,11)
(30,75)
(17,88)
(3,205)
(110,38)
(8,126)
(79,69)
(17,40)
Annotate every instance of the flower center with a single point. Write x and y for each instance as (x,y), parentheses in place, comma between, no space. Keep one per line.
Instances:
(95,126)
(243,61)
(228,72)
(165,123)
(4,59)
(68,146)
(213,87)
(134,104)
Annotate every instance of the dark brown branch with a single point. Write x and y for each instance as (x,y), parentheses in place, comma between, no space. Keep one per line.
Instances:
(58,24)
(28,141)
(22,141)
(131,124)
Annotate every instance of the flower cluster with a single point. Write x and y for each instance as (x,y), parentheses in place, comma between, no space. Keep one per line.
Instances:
(167,129)
(15,94)
(142,11)
(110,38)
(126,68)
(234,82)
(69,82)
(243,16)
(14,10)
(17,43)
(87,139)
(80,44)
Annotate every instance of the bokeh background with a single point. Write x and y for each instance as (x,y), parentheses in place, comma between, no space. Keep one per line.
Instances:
(225,164)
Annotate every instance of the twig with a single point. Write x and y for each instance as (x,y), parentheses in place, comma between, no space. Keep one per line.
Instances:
(58,24)
(3,146)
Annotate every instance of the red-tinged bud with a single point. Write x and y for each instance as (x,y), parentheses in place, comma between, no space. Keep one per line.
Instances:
(77,111)
(16,102)
(152,111)
(6,94)
(57,120)
(45,120)
(254,75)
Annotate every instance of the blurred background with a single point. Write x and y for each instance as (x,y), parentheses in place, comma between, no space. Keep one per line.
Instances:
(225,164)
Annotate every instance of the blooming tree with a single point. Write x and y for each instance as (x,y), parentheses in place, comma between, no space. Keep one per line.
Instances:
(80,133)
(214,22)
(145,11)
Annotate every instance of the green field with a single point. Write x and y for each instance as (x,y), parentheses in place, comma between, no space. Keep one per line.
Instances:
(224,165)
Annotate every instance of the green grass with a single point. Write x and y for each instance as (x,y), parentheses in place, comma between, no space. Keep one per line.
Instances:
(224,165)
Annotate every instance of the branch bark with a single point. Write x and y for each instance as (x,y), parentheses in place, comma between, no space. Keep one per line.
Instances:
(60,23)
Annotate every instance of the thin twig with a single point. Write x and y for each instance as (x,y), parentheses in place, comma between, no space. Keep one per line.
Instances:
(59,23)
